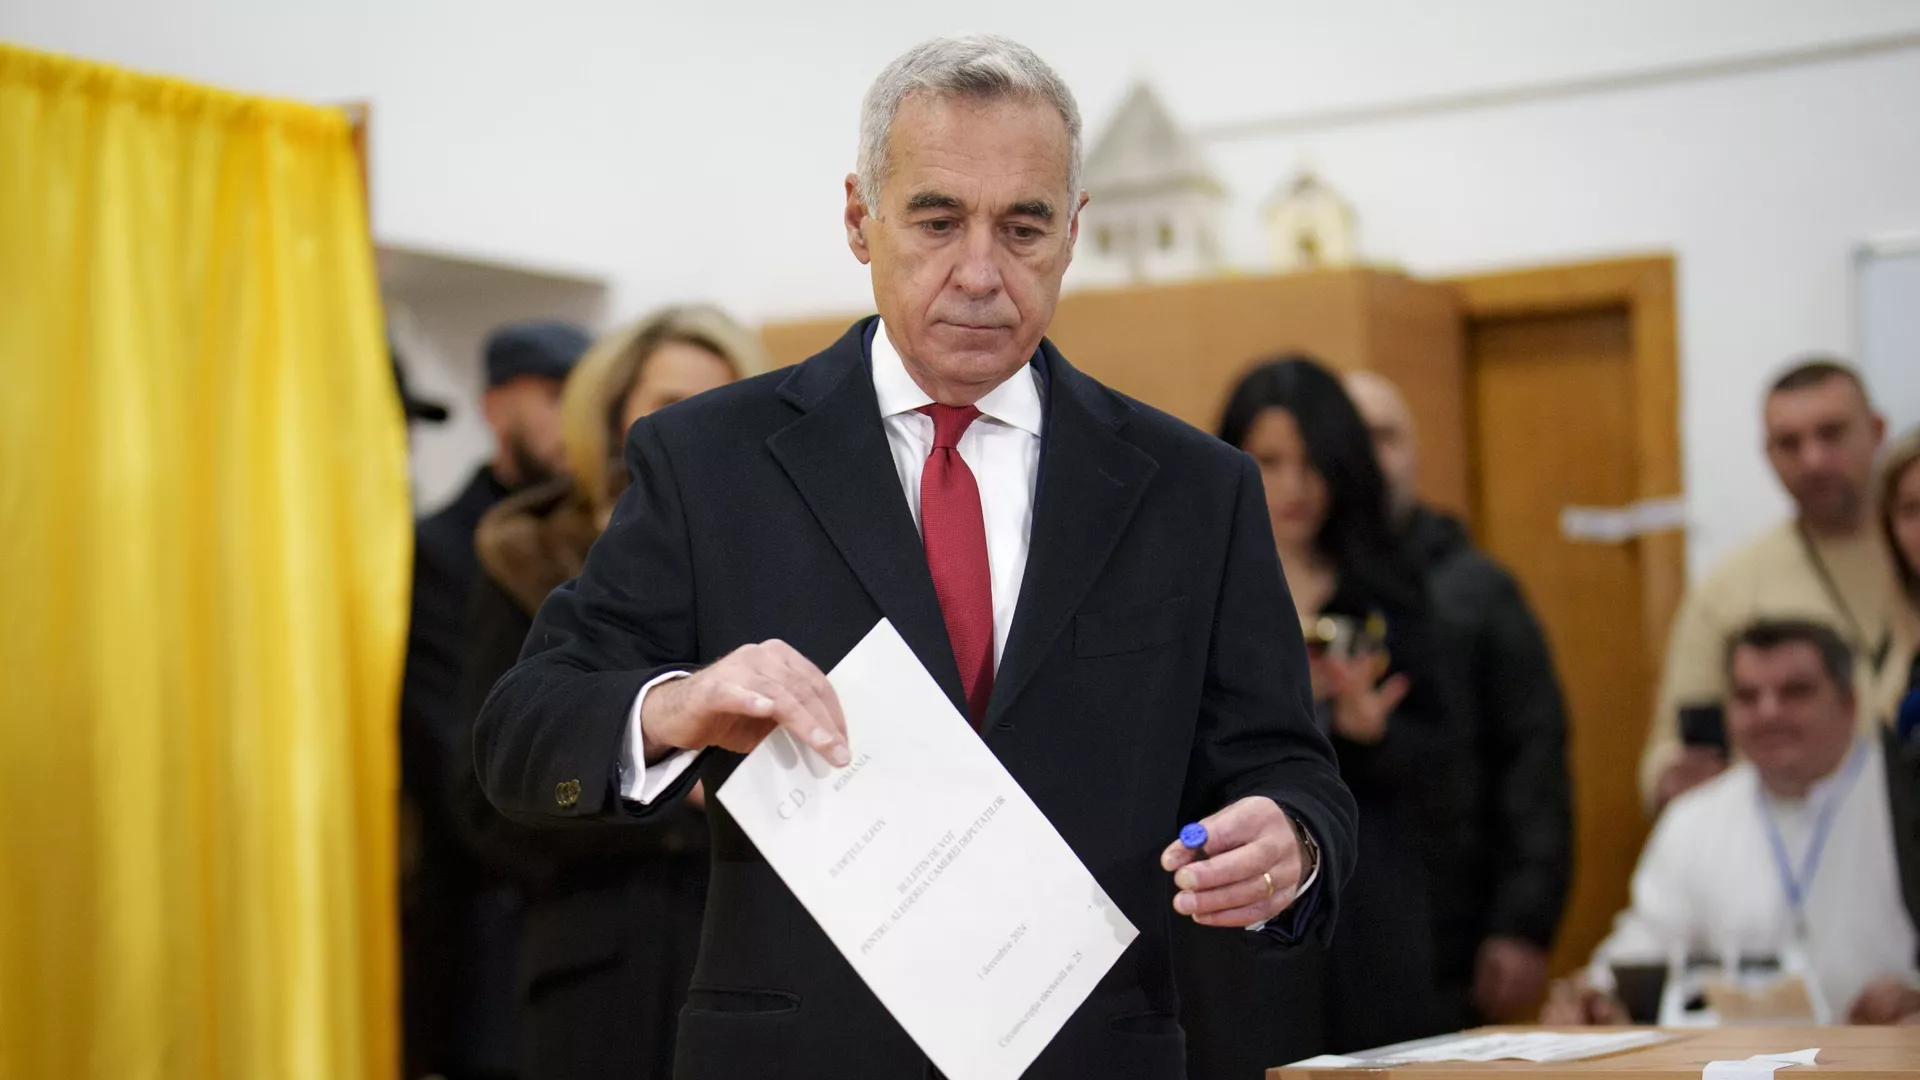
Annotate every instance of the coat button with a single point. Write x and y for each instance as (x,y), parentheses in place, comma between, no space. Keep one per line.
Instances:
(567,793)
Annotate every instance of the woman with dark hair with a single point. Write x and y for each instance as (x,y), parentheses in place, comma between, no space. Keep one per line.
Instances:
(1378,696)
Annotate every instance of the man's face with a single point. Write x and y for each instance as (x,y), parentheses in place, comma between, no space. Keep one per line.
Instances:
(1787,716)
(1391,423)
(525,416)
(1821,440)
(974,230)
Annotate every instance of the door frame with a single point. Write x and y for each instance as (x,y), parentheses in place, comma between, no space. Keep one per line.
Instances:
(1644,286)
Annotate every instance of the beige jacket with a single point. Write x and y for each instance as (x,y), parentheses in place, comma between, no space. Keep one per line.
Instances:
(1773,576)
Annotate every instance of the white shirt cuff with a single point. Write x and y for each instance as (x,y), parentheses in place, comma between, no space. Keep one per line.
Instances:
(643,783)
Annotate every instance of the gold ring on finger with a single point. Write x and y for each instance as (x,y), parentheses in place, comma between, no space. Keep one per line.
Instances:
(1268,877)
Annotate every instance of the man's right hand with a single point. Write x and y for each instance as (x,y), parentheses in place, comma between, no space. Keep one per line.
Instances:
(734,703)
(1694,766)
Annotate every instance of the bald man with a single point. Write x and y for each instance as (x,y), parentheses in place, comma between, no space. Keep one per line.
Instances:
(1499,884)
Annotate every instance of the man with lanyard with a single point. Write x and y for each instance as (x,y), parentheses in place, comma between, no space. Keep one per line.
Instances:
(1789,851)
(1829,563)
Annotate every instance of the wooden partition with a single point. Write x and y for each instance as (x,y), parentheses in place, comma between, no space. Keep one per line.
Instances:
(1182,347)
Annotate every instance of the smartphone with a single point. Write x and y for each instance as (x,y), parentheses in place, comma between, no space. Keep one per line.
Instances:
(1344,636)
(1704,725)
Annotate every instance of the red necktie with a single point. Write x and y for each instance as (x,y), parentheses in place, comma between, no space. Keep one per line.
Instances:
(955,534)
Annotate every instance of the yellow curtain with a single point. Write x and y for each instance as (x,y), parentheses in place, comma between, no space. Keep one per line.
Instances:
(204,543)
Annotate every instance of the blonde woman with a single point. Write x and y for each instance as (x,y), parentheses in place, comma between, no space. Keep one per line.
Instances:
(612,916)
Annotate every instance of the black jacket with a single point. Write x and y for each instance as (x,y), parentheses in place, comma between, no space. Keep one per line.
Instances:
(1153,650)
(460,919)
(612,917)
(1903,793)
(1502,868)
(444,571)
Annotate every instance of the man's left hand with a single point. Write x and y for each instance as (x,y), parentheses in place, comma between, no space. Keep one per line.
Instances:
(1252,871)
(1508,975)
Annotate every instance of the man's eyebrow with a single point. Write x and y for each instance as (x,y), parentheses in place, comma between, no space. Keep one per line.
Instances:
(932,200)
(1033,208)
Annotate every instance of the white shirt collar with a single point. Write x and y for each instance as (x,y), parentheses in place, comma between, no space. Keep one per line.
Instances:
(1015,402)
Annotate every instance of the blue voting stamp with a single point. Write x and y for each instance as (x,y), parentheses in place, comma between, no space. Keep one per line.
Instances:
(1193,836)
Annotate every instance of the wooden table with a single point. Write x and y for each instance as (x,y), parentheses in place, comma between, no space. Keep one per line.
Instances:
(1852,1053)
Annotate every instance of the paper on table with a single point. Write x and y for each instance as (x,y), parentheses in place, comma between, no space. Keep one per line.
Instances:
(929,868)
(1539,1046)
(1759,1066)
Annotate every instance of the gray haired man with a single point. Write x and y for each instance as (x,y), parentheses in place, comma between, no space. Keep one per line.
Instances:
(1092,582)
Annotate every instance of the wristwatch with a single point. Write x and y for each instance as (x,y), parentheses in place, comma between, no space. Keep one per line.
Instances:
(1309,851)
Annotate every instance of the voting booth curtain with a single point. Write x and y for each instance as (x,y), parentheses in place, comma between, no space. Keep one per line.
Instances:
(203,581)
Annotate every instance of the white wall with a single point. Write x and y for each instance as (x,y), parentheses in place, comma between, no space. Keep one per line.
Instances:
(697,150)
(1761,184)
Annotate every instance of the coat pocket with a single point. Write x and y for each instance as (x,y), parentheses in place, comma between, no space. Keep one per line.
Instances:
(733,1001)
(1105,633)
(727,1033)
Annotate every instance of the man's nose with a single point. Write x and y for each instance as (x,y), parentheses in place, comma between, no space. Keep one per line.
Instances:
(978,273)
(1816,456)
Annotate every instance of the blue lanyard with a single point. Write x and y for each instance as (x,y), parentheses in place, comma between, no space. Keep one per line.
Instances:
(1797,886)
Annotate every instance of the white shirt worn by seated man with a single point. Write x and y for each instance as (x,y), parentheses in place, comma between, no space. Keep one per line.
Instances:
(1708,880)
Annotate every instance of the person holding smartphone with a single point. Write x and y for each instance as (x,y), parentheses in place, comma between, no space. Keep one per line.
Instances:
(1378,696)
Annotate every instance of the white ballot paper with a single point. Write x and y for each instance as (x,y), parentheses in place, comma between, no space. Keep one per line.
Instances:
(1759,1066)
(1539,1046)
(931,870)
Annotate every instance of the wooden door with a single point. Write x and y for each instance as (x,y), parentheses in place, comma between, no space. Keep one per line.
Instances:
(1572,385)
(1553,409)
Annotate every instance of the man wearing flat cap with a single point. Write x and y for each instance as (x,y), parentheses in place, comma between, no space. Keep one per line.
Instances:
(460,924)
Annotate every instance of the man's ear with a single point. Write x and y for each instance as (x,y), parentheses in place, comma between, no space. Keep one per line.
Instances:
(856,219)
(1073,223)
(493,406)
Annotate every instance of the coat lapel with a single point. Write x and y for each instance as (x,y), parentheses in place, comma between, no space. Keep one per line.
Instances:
(1090,483)
(836,454)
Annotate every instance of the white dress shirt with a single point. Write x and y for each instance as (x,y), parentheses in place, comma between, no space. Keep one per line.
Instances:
(1708,881)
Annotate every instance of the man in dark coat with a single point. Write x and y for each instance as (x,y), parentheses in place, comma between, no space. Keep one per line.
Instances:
(1092,583)
(1500,875)
(460,941)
